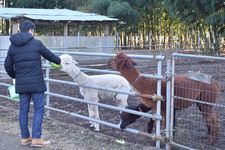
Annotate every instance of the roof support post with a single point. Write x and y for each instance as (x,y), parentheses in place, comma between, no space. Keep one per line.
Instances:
(15,28)
(66,29)
(106,30)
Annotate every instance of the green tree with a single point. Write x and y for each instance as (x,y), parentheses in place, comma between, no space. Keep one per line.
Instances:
(127,15)
(34,3)
(118,9)
(200,15)
(100,6)
(69,4)
(75,4)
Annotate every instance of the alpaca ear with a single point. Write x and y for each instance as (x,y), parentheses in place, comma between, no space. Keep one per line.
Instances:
(120,55)
(75,62)
(131,61)
(127,64)
(134,63)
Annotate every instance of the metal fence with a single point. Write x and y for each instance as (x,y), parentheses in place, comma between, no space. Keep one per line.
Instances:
(52,94)
(187,127)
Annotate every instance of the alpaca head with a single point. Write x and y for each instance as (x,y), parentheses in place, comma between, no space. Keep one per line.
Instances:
(68,64)
(121,61)
(127,118)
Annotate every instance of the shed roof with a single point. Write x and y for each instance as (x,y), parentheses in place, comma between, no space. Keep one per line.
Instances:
(51,15)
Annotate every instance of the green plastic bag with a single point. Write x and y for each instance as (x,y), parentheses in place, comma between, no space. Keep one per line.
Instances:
(55,66)
(12,92)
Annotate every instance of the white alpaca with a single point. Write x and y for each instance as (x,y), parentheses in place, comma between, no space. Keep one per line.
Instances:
(69,65)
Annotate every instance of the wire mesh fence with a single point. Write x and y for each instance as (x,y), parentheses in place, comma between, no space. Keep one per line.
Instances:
(201,124)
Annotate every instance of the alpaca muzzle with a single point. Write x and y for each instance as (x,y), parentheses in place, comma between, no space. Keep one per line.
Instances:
(127,119)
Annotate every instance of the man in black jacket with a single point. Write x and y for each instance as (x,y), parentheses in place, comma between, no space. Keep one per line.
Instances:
(23,62)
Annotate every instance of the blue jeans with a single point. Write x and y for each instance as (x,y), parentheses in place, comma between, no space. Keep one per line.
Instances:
(38,99)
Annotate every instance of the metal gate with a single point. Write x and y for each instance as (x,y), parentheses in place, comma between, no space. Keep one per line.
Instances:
(50,94)
(198,104)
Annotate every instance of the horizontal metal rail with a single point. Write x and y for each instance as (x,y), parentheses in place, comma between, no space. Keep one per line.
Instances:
(105,105)
(5,78)
(152,136)
(116,72)
(113,72)
(103,88)
(158,57)
(198,101)
(198,56)
(5,84)
(133,46)
(100,71)
(7,97)
(86,47)
(3,72)
(181,146)
(92,87)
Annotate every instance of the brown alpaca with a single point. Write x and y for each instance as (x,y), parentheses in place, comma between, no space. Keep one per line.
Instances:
(184,87)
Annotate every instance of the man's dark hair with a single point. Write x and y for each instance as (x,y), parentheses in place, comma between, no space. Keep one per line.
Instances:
(26,25)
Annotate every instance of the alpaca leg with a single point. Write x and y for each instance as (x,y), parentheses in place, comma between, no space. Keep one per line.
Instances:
(212,122)
(94,113)
(174,121)
(150,125)
(92,109)
(162,123)
(128,118)
(90,114)
(121,100)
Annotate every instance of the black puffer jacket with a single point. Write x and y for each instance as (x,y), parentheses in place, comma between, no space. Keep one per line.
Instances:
(23,62)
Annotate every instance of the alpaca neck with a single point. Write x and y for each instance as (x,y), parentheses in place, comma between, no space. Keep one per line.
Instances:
(146,85)
(78,77)
(140,83)
(131,75)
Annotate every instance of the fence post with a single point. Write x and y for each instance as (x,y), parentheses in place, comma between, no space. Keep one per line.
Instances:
(172,100)
(168,99)
(158,109)
(47,84)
